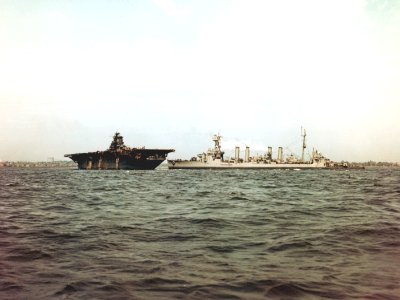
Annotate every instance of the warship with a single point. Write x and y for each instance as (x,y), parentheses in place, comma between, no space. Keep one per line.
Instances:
(118,156)
(214,159)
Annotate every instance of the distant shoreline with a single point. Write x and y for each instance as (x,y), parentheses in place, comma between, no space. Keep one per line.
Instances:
(73,165)
(40,164)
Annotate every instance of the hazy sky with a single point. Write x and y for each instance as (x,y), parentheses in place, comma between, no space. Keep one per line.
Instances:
(170,73)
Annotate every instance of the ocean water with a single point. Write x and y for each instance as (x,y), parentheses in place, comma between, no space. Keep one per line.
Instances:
(188,234)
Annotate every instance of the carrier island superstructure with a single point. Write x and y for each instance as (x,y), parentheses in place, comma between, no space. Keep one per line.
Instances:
(214,159)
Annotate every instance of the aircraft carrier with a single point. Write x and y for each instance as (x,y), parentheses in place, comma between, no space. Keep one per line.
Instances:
(118,156)
(214,159)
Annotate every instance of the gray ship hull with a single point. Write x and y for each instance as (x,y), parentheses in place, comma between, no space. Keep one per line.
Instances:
(214,159)
(218,164)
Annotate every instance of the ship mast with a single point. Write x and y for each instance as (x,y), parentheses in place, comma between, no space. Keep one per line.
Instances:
(303,134)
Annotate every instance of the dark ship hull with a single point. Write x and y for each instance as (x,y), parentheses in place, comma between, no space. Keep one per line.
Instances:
(120,157)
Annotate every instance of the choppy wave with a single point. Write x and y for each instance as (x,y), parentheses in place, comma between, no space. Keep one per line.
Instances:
(70,234)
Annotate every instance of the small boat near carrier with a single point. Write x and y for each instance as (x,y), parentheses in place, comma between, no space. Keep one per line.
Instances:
(214,159)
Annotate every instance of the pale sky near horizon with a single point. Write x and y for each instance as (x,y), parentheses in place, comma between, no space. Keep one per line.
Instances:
(170,73)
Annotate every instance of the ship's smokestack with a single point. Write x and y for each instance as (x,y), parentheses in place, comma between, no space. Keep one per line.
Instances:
(247,154)
(269,153)
(280,154)
(237,154)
